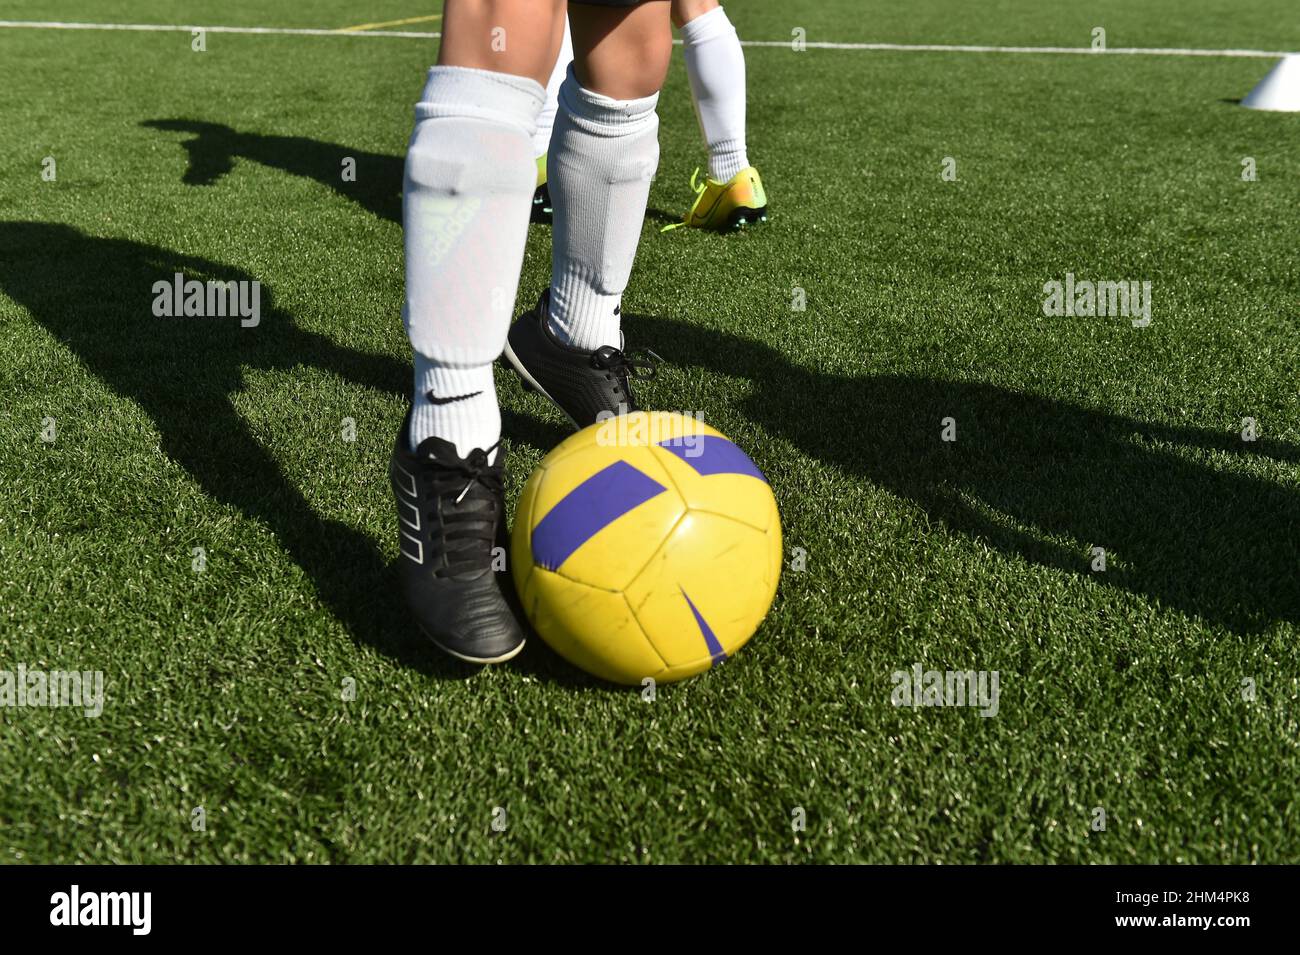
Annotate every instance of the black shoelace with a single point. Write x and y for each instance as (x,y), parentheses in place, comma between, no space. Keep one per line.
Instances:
(470,491)
(639,363)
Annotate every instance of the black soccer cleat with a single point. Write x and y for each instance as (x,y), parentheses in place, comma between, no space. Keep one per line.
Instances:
(450,514)
(585,385)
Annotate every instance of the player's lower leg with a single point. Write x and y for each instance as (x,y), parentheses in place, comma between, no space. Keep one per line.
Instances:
(732,195)
(542,207)
(604,152)
(468,185)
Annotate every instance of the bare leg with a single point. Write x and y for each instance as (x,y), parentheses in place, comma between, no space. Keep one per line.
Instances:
(684,11)
(505,36)
(622,52)
(604,152)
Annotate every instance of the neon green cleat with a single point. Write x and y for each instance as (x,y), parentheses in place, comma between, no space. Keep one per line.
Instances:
(726,206)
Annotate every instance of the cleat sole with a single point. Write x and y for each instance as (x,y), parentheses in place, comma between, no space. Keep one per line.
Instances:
(466,658)
(739,218)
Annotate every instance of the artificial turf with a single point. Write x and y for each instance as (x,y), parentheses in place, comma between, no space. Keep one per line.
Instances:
(1127,690)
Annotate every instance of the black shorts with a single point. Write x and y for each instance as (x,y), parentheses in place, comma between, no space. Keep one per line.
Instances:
(609,3)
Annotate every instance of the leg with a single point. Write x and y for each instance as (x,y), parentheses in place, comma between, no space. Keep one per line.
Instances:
(542,207)
(621,52)
(502,36)
(466,194)
(546,120)
(715,65)
(684,11)
(604,152)
(468,187)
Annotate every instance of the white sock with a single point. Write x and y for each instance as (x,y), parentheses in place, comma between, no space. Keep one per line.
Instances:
(715,64)
(546,119)
(469,182)
(603,155)
(456,404)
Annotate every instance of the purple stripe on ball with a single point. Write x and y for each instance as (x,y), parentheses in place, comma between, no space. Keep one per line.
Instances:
(710,454)
(715,648)
(588,509)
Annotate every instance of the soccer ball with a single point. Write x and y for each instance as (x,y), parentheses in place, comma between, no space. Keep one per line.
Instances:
(646,545)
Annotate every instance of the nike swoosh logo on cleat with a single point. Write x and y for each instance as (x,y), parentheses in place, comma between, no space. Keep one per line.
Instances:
(434,399)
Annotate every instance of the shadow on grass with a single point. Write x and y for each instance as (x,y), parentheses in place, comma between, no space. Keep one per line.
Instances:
(1198,538)
(95,295)
(214,148)
(660,217)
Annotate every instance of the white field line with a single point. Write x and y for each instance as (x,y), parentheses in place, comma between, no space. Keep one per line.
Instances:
(176,28)
(810,44)
(966,48)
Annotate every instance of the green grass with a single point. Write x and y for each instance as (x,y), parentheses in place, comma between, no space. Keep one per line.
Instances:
(1120,690)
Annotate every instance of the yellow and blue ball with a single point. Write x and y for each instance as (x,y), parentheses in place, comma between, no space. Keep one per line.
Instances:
(647,545)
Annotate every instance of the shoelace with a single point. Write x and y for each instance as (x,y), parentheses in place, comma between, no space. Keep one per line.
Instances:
(468,532)
(637,363)
(698,188)
(476,468)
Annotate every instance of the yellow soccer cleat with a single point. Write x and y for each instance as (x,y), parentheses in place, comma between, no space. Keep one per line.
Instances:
(726,206)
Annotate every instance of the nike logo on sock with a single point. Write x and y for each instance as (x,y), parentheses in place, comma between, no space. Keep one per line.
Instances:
(434,399)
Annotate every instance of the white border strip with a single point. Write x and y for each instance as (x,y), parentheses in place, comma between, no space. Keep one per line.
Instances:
(812,45)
